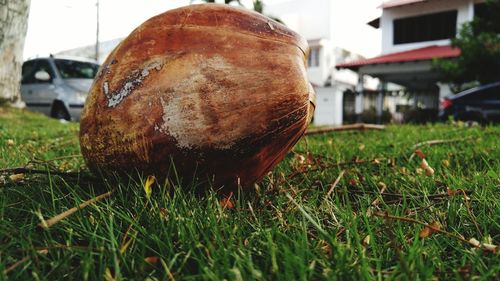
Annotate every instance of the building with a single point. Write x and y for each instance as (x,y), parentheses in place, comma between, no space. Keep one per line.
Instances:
(414,33)
(322,23)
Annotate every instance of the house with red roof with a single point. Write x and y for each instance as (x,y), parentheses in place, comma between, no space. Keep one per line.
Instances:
(414,33)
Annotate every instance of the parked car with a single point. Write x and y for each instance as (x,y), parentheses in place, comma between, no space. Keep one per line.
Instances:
(57,86)
(480,104)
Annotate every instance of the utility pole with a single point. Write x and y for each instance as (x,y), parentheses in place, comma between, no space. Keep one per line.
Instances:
(97,33)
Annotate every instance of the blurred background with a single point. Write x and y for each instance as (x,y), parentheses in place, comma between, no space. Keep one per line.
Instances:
(371,61)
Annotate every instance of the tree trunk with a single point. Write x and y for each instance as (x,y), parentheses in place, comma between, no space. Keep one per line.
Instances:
(13,26)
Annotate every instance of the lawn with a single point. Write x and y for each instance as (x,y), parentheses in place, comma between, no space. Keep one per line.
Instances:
(353,205)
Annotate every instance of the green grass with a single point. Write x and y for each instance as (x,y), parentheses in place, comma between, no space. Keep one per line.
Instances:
(286,229)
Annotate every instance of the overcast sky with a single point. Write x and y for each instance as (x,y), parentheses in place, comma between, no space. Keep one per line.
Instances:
(58,25)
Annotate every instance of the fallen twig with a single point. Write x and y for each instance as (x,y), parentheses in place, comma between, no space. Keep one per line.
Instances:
(24,170)
(359,126)
(46,224)
(472,242)
(126,241)
(62,157)
(47,161)
(473,218)
(339,164)
(227,202)
(417,210)
(334,184)
(434,142)
(23,260)
(16,264)
(375,202)
(69,247)
(387,194)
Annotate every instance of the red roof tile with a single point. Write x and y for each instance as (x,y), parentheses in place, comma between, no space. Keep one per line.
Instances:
(426,53)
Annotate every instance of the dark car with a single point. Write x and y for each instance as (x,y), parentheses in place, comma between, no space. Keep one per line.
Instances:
(480,104)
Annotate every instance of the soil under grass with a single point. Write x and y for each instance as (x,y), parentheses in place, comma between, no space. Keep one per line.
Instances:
(295,225)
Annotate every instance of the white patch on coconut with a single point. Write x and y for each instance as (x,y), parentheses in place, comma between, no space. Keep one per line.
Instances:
(105,89)
(132,82)
(185,115)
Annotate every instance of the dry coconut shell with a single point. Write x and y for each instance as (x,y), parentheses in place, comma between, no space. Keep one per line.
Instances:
(218,92)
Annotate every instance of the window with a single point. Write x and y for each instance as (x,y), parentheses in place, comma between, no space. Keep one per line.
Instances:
(76,69)
(481,10)
(313,59)
(28,68)
(486,17)
(429,27)
(32,67)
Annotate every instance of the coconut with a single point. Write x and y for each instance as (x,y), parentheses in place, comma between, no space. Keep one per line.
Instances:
(208,91)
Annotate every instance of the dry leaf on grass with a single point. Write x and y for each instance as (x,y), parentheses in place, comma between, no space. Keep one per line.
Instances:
(433,227)
(257,189)
(429,171)
(163,213)
(381,185)
(425,166)
(488,247)
(353,182)
(227,202)
(10,142)
(430,229)
(366,240)
(92,220)
(108,276)
(147,186)
(305,161)
(310,158)
(125,244)
(16,178)
(475,242)
(420,154)
(301,159)
(325,247)
(152,260)
(465,272)
(453,192)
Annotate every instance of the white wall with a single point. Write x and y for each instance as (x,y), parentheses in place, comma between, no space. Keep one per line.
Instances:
(329,101)
(444,90)
(318,75)
(311,19)
(465,13)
